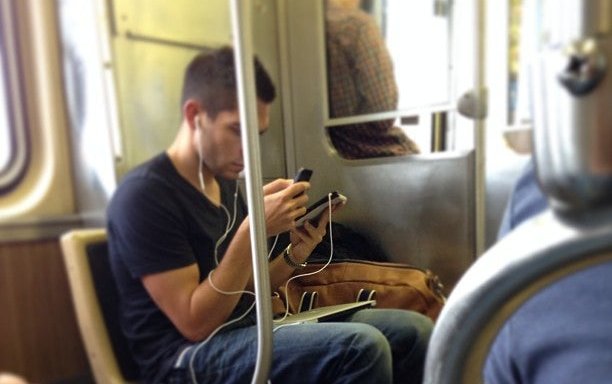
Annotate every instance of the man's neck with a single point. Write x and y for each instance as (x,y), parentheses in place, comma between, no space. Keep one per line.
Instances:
(187,167)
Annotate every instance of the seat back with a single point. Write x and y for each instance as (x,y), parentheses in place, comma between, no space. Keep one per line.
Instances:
(535,255)
(96,301)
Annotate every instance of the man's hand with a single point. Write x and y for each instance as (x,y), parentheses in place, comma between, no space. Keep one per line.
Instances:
(305,238)
(284,201)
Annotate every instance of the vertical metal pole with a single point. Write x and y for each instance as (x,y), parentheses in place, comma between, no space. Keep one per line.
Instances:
(247,98)
(479,125)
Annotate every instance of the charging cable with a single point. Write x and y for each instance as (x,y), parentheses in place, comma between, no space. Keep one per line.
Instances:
(331,254)
(230,224)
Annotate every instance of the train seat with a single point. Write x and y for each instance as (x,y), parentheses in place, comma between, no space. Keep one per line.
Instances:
(95,299)
(538,253)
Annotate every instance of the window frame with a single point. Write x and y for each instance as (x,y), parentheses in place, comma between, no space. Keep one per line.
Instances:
(19,143)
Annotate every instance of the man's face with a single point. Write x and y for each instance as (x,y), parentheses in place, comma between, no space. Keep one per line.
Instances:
(221,140)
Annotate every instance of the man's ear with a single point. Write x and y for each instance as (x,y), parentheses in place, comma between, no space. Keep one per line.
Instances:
(191,110)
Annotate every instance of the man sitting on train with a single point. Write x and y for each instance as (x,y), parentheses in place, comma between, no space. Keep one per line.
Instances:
(180,251)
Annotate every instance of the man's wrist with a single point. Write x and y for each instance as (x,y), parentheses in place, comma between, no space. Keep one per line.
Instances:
(290,261)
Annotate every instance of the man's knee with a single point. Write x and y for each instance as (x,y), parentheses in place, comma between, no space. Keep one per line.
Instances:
(421,326)
(369,352)
(370,340)
(397,321)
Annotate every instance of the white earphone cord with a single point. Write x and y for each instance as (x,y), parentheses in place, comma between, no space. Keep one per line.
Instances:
(230,224)
(331,254)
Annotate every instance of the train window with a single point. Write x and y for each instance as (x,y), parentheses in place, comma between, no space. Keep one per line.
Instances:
(376,61)
(415,56)
(13,156)
(376,56)
(4,123)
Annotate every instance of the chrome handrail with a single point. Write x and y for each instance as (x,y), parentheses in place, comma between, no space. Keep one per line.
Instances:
(243,50)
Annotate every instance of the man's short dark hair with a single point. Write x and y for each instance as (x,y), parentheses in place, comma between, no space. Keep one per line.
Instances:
(210,79)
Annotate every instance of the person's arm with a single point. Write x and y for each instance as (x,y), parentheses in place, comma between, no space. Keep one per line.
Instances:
(197,309)
(303,242)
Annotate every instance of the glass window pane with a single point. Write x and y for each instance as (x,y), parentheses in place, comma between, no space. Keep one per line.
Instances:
(359,65)
(418,42)
(377,55)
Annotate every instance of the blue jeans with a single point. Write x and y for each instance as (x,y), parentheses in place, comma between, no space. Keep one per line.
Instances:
(369,346)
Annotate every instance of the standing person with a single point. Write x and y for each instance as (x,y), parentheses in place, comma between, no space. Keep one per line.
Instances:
(361,81)
(180,252)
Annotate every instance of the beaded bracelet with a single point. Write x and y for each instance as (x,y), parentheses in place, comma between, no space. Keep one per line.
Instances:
(292,263)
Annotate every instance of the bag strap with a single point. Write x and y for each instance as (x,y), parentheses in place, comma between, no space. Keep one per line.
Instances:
(307,301)
(366,294)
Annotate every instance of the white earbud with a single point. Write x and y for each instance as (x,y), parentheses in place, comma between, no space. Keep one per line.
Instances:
(200,156)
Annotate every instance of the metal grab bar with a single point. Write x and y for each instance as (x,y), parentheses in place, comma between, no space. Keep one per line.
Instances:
(243,52)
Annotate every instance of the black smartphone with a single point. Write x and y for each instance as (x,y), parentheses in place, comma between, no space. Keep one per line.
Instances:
(303,174)
(313,212)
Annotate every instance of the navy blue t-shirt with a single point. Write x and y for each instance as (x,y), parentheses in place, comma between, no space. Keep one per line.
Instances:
(157,221)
